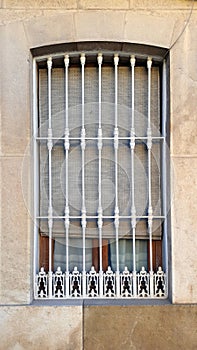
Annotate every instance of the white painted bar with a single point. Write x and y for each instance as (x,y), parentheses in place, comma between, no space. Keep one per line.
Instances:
(116,211)
(83,211)
(100,210)
(50,146)
(149,146)
(66,147)
(132,145)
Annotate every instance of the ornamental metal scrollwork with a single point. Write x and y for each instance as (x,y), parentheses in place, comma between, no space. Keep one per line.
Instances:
(143,283)
(92,282)
(109,283)
(42,284)
(75,283)
(126,283)
(58,284)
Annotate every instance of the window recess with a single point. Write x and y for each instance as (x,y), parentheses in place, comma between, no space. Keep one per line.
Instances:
(100,176)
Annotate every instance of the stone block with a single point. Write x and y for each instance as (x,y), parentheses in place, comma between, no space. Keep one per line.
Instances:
(16,239)
(99,26)
(52,29)
(45,327)
(32,4)
(148,29)
(104,4)
(184,228)
(15,87)
(184,92)
(162,4)
(140,327)
(8,15)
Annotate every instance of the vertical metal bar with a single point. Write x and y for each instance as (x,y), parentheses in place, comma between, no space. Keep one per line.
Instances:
(35,171)
(132,145)
(116,211)
(66,147)
(164,162)
(100,210)
(83,211)
(149,146)
(50,146)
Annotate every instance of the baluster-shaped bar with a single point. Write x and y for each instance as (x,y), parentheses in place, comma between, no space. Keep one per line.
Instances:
(132,145)
(100,210)
(66,147)
(83,210)
(50,146)
(116,211)
(149,147)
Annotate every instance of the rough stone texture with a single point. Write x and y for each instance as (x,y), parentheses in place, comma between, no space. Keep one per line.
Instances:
(159,31)
(184,92)
(40,31)
(99,26)
(15,87)
(15,235)
(162,4)
(8,15)
(139,328)
(184,242)
(67,4)
(31,327)
(104,4)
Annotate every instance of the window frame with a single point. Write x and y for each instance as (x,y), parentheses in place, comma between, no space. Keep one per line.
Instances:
(164,113)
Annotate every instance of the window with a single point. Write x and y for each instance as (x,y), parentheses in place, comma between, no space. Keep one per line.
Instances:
(100,201)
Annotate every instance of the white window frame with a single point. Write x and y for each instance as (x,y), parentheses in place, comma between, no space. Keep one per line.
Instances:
(137,279)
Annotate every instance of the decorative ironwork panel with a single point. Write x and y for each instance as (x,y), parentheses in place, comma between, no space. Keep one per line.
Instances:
(101,285)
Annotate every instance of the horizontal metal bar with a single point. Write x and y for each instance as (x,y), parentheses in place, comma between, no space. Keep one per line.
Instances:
(76,53)
(103,217)
(103,138)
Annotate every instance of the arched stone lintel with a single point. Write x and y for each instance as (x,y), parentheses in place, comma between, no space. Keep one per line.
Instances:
(111,26)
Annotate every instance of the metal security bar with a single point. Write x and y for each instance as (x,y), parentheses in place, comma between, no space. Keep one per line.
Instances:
(132,145)
(50,146)
(66,146)
(116,211)
(87,282)
(100,210)
(83,210)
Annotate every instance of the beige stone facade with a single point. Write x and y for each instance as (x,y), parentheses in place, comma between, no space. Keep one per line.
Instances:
(29,24)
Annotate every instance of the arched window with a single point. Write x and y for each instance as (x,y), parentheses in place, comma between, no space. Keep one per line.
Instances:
(100,174)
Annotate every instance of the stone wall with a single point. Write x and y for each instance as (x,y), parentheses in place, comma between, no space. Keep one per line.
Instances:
(29,24)
(98,327)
